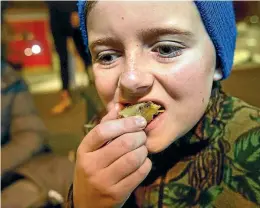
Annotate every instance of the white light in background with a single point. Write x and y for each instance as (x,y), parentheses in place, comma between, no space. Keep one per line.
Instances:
(36,49)
(28,52)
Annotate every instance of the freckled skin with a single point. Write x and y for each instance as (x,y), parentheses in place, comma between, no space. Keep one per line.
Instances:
(182,84)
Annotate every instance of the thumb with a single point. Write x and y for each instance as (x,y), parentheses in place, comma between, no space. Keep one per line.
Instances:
(113,113)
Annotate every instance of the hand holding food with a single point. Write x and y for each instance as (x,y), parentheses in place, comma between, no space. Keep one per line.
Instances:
(111,162)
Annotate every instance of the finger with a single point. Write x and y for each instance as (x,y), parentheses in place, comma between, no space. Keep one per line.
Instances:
(119,147)
(113,113)
(124,166)
(109,130)
(129,184)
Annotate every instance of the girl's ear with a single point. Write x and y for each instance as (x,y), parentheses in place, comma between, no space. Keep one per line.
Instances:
(217,74)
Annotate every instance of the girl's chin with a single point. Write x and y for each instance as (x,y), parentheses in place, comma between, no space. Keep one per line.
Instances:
(156,145)
(159,141)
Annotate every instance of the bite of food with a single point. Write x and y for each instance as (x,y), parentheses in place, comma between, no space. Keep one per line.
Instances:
(149,110)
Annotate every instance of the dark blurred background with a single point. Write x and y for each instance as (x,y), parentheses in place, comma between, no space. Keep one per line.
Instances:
(31,51)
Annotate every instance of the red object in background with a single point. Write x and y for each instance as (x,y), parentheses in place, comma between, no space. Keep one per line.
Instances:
(25,34)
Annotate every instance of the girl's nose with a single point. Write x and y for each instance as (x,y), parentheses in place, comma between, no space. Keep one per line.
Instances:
(135,84)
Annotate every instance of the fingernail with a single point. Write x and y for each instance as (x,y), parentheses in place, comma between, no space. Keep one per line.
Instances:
(140,121)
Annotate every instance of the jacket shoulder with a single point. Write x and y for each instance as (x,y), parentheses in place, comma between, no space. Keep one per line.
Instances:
(244,118)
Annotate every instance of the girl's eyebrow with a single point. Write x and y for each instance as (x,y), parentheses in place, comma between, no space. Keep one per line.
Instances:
(147,34)
(102,41)
(152,33)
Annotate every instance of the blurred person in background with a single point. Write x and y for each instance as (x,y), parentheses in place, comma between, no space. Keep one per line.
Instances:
(64,23)
(29,168)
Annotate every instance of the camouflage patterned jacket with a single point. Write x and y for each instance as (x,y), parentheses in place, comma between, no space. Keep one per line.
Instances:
(215,165)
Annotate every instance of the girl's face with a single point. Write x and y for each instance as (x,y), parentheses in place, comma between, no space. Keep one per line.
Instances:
(153,51)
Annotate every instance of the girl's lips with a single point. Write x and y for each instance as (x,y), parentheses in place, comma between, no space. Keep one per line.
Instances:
(155,122)
(157,102)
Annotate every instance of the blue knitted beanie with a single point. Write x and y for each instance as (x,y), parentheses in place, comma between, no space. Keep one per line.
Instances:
(219,20)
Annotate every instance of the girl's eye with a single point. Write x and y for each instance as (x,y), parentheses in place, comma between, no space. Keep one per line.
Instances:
(168,50)
(107,58)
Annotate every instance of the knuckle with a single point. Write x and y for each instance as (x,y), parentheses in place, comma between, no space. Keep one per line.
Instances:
(149,164)
(125,125)
(131,141)
(128,123)
(142,136)
(104,190)
(126,143)
(144,151)
(144,170)
(79,152)
(98,131)
(86,165)
(115,194)
(97,185)
(88,171)
(132,160)
(103,119)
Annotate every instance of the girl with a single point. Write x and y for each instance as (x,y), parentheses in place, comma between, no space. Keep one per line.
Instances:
(203,150)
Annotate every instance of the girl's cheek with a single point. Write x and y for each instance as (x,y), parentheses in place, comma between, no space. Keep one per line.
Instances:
(182,77)
(189,78)
(106,88)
